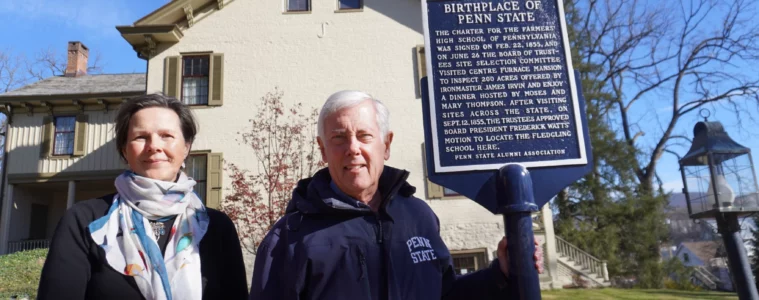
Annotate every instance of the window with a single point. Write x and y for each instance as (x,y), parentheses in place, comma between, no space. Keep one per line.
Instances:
(63,142)
(468,261)
(205,168)
(195,80)
(63,137)
(686,258)
(298,5)
(195,168)
(350,4)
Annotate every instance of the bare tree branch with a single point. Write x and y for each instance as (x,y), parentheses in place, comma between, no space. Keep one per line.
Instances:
(693,52)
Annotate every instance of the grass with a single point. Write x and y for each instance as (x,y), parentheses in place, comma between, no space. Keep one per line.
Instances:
(634,294)
(20,273)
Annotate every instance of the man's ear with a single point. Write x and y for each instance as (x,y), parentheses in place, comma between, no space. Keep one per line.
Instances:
(388,141)
(321,149)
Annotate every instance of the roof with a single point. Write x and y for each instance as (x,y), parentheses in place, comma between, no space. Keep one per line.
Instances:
(102,84)
(705,250)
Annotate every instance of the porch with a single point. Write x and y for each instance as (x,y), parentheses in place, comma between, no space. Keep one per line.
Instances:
(31,210)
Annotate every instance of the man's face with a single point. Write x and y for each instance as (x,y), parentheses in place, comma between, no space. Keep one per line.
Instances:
(354,149)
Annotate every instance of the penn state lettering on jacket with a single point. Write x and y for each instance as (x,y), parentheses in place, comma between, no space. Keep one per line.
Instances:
(331,246)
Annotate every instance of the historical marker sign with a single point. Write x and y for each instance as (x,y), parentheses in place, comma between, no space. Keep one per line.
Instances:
(501,85)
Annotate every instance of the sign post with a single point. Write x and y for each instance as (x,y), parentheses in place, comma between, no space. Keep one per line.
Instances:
(500,97)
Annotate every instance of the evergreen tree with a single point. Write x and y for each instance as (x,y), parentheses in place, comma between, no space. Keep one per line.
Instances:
(607,213)
(755,242)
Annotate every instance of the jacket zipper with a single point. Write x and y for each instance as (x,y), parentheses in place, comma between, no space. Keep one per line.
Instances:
(393,190)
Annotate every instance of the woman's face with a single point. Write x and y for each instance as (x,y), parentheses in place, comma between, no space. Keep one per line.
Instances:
(155,146)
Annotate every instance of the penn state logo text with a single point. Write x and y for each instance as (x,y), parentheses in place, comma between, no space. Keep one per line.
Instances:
(420,249)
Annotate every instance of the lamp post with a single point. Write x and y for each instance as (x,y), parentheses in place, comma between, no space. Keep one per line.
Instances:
(720,183)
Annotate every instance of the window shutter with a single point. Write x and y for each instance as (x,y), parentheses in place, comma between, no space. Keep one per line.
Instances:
(421,61)
(80,135)
(216,80)
(213,180)
(173,77)
(434,191)
(421,66)
(47,137)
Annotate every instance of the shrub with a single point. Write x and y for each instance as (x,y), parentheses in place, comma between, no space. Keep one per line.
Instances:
(679,276)
(20,273)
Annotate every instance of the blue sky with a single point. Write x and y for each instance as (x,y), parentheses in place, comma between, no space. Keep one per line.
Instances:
(34,25)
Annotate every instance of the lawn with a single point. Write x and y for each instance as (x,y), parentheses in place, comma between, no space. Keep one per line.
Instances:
(20,273)
(594,294)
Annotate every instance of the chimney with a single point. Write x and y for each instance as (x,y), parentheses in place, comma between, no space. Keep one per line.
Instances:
(77,60)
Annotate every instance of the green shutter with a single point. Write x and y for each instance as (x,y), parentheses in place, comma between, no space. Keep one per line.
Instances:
(80,135)
(421,61)
(46,146)
(213,180)
(216,80)
(172,77)
(421,67)
(434,191)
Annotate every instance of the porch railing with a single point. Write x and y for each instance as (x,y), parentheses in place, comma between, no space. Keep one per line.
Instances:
(706,277)
(582,258)
(27,245)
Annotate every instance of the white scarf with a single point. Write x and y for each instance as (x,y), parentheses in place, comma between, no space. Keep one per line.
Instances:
(130,247)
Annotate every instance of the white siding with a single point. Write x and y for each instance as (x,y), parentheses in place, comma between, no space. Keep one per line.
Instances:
(26,139)
(372,51)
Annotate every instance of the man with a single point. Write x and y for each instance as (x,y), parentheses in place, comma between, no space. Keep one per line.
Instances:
(355,231)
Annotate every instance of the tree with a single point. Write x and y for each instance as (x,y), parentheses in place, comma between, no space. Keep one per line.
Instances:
(590,210)
(686,55)
(49,62)
(12,74)
(283,143)
(17,70)
(755,243)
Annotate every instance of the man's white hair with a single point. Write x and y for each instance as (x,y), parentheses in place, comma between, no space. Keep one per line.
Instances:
(347,99)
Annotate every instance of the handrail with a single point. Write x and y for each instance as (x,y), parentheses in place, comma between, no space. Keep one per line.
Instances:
(705,276)
(575,247)
(583,258)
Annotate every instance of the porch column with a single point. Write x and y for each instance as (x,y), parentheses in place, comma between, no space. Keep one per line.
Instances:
(72,194)
(5,219)
(550,252)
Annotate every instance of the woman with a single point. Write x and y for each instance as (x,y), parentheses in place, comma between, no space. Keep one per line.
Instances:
(154,238)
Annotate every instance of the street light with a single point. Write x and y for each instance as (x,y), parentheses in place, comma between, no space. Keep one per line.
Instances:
(720,183)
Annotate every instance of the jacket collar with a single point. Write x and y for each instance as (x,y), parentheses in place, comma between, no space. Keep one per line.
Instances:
(315,196)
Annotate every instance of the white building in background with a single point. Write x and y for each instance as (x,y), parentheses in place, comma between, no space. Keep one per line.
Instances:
(221,56)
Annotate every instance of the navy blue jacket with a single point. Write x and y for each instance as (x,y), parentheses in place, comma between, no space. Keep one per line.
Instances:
(330,246)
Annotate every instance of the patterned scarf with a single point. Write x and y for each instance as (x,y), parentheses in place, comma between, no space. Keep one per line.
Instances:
(130,247)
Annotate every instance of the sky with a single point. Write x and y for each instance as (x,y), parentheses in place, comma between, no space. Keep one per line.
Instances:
(35,25)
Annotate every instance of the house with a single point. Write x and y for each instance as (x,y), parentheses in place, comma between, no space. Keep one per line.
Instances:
(220,56)
(709,260)
(59,147)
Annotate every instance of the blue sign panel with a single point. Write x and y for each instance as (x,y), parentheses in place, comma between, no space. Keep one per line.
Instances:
(501,85)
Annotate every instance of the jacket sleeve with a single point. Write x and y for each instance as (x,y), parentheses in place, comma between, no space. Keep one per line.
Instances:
(233,278)
(67,267)
(272,279)
(488,283)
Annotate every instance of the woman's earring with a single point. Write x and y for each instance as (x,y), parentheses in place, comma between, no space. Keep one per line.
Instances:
(184,165)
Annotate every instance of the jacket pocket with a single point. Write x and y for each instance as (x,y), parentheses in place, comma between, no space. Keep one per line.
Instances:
(361,264)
